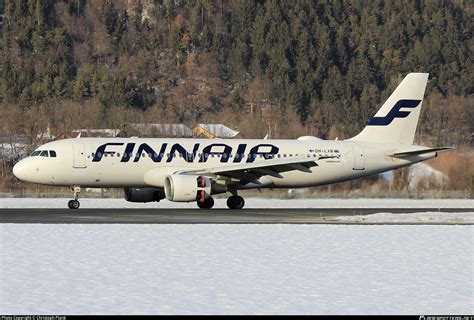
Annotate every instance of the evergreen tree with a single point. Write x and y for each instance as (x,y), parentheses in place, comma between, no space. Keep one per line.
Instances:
(334,59)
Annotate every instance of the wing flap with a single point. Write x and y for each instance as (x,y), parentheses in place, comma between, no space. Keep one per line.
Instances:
(253,171)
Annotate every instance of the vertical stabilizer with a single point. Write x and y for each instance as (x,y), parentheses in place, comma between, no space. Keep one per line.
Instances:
(397,118)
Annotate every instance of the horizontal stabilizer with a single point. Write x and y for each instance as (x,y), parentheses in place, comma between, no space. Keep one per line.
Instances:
(412,153)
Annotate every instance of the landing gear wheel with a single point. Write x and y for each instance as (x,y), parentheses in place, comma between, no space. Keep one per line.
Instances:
(235,202)
(206,204)
(73,204)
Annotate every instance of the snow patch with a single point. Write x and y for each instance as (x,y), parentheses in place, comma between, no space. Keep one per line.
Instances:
(422,173)
(419,217)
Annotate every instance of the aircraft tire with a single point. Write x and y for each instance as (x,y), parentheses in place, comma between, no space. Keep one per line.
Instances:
(73,204)
(235,202)
(207,204)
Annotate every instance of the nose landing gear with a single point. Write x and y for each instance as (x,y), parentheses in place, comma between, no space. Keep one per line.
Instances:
(74,204)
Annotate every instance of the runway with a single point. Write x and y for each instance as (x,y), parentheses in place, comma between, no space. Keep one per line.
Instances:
(197,216)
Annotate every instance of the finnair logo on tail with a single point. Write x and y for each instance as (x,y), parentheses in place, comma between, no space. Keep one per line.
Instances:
(395,113)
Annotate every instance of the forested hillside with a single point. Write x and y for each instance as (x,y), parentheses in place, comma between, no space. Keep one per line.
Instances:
(281,67)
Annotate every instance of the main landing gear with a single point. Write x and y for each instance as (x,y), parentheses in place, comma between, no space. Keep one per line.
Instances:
(206,204)
(74,204)
(234,202)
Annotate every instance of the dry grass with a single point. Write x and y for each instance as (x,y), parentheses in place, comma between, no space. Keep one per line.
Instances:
(458,165)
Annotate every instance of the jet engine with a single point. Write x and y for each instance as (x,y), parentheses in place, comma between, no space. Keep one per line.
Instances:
(143,194)
(186,188)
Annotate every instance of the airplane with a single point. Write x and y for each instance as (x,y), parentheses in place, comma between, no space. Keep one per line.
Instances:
(188,170)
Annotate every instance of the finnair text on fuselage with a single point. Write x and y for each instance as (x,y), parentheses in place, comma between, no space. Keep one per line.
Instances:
(223,151)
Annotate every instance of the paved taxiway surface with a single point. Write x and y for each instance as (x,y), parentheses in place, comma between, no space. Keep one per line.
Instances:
(195,216)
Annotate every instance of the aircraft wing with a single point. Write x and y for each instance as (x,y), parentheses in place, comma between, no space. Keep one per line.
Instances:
(248,172)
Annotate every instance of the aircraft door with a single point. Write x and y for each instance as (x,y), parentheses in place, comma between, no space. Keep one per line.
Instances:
(79,155)
(359,158)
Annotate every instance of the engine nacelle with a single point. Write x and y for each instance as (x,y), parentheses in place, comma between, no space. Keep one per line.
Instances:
(186,188)
(143,194)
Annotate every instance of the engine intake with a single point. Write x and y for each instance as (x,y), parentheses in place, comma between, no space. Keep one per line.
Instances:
(186,188)
(143,194)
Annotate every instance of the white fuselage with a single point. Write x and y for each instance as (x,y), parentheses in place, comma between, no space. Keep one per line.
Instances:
(125,162)
(185,170)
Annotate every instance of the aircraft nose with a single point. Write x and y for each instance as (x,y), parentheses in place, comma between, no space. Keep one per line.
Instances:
(20,170)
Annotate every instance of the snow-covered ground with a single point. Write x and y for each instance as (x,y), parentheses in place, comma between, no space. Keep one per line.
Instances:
(236,269)
(424,174)
(249,203)
(241,269)
(8,150)
(408,218)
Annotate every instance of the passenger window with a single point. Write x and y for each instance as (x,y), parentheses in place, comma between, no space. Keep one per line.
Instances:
(52,154)
(44,153)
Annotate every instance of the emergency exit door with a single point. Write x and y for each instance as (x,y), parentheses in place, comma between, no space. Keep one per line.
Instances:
(79,154)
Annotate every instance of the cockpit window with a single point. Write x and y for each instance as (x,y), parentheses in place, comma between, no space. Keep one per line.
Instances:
(44,153)
(52,153)
(35,153)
